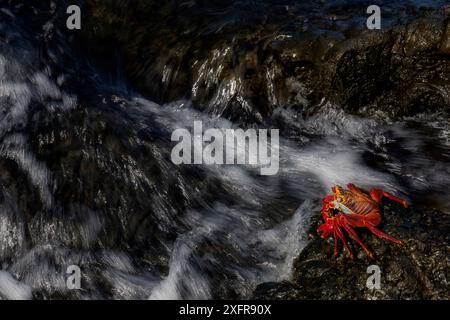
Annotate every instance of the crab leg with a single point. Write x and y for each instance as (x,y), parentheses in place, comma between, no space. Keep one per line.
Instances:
(342,238)
(381,234)
(378,194)
(335,243)
(354,236)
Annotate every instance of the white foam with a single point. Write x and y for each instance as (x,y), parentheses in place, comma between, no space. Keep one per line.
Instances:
(12,289)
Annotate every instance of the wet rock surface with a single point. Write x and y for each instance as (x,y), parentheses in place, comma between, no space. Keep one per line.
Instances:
(419,269)
(243,60)
(85,170)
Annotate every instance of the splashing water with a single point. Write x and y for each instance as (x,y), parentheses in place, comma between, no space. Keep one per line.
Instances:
(86,179)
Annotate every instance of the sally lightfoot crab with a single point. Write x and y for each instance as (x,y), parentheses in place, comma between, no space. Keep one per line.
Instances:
(354,207)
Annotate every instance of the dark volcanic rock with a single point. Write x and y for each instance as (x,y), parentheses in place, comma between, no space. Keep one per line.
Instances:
(417,270)
(242,60)
(86,175)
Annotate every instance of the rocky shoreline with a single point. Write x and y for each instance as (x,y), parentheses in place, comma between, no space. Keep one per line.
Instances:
(85,163)
(304,58)
(291,56)
(417,270)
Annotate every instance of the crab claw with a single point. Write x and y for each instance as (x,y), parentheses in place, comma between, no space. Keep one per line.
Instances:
(326,230)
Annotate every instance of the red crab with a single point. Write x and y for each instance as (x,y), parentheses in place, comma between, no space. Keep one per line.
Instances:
(346,209)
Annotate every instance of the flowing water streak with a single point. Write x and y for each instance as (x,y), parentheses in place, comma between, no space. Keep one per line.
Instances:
(332,161)
(249,233)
